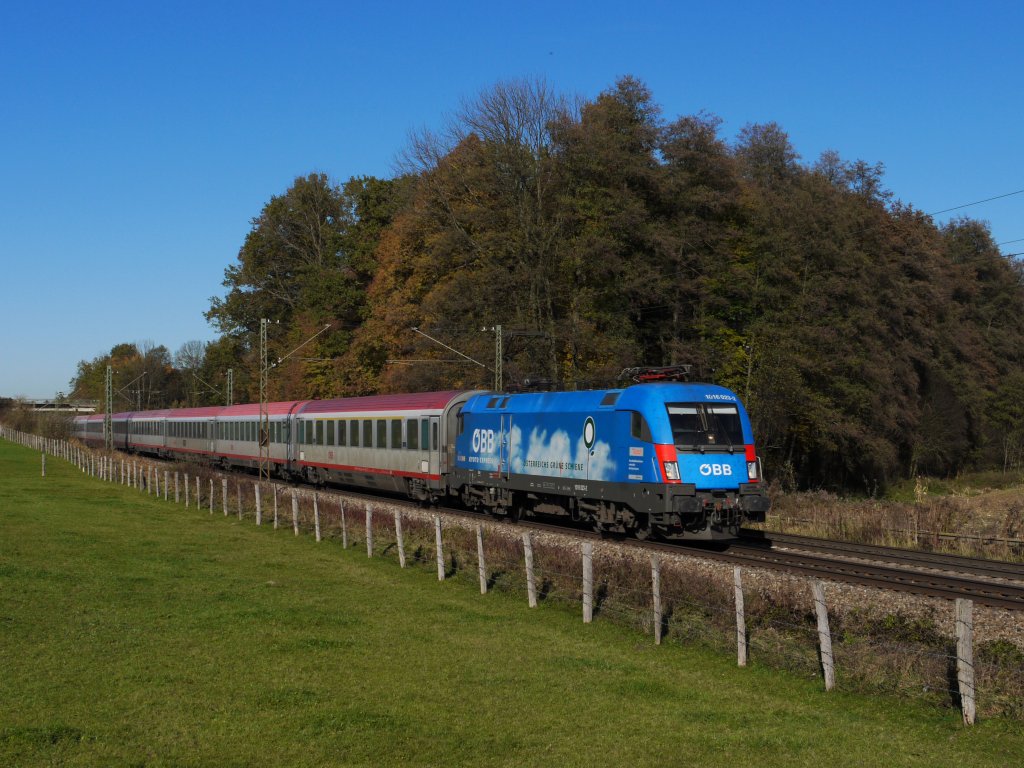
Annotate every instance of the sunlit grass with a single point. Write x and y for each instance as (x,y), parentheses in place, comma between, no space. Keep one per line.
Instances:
(135,632)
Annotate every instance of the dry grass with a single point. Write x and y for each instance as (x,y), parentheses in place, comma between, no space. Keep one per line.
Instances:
(984,524)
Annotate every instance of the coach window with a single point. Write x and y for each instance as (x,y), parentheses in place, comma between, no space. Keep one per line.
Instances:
(319,439)
(396,433)
(353,433)
(331,426)
(367,433)
(412,432)
(341,433)
(434,443)
(382,433)
(425,434)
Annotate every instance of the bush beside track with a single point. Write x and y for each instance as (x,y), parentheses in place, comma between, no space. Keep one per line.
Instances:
(135,631)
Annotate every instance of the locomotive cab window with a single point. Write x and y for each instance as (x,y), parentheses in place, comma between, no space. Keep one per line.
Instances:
(639,428)
(412,431)
(705,425)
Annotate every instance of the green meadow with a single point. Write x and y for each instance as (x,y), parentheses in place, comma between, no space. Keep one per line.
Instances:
(134,632)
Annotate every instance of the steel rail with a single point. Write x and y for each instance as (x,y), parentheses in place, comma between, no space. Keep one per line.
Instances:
(999,569)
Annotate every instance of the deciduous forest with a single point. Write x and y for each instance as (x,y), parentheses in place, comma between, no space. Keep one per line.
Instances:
(869,343)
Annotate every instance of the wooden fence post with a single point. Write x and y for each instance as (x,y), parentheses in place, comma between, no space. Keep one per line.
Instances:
(186,491)
(824,635)
(741,621)
(344,524)
(965,658)
(275,506)
(238,493)
(149,481)
(480,558)
(398,535)
(198,498)
(167,484)
(177,490)
(295,513)
(259,506)
(122,471)
(656,597)
(369,530)
(531,582)
(438,547)
(588,582)
(211,495)
(224,495)
(316,516)
(44,464)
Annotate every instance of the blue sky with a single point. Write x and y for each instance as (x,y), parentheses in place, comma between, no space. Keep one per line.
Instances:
(138,140)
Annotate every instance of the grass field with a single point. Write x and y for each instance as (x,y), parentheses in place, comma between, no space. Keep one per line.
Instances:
(135,632)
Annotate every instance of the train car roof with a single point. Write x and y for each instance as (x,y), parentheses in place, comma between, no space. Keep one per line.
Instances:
(402,402)
(206,412)
(159,414)
(282,408)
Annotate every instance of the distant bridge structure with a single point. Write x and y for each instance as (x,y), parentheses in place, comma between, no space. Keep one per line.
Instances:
(62,406)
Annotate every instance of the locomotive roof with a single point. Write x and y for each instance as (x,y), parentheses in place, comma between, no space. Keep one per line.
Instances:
(416,401)
(637,397)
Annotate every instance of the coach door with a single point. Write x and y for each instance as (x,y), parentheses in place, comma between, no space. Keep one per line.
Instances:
(435,445)
(211,436)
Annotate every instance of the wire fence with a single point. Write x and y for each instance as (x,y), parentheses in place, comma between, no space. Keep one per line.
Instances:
(788,624)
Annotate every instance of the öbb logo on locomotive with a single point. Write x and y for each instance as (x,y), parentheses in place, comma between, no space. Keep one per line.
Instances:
(669,459)
(717,470)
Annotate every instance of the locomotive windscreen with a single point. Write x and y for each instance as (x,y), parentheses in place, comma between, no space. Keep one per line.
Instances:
(703,425)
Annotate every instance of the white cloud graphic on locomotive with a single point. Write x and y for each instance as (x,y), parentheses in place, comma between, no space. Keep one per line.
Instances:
(555,456)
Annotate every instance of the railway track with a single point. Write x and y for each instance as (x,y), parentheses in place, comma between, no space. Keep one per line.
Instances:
(987,582)
(992,583)
(997,569)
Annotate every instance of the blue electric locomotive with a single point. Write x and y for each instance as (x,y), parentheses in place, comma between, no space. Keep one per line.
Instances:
(675,460)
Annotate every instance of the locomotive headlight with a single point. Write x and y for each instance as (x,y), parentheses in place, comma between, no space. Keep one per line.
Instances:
(671,470)
(753,472)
